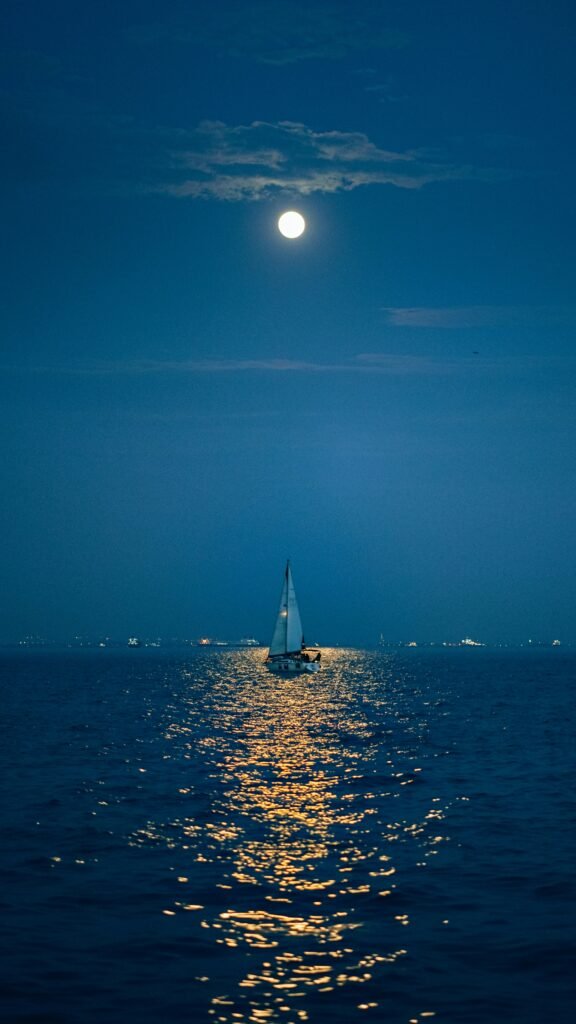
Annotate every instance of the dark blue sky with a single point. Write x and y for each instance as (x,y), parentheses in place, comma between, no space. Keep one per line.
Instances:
(188,398)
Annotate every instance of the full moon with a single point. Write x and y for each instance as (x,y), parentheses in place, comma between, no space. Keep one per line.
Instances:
(291,224)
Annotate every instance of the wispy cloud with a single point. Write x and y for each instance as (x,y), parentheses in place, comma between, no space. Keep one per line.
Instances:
(249,162)
(365,364)
(370,363)
(54,133)
(453,317)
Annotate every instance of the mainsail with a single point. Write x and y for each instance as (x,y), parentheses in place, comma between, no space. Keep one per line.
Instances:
(287,637)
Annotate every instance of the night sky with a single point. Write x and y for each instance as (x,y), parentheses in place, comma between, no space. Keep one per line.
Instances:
(188,398)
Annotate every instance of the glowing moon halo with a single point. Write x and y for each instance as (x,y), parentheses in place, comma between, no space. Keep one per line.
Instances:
(291,224)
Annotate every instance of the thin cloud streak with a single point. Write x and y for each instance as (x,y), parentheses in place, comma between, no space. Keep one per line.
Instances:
(459,317)
(367,364)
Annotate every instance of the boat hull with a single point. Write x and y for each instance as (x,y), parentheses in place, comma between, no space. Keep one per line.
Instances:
(292,666)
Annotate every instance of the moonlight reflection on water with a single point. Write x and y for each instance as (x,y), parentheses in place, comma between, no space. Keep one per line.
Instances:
(195,836)
(302,831)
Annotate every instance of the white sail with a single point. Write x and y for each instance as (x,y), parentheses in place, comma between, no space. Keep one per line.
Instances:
(287,637)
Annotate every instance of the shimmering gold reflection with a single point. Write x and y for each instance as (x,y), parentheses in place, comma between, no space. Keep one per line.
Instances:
(284,784)
(295,835)
(301,848)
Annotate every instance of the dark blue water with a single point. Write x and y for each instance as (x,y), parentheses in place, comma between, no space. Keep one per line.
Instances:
(191,838)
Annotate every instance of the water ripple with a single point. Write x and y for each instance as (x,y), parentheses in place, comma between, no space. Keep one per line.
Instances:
(198,835)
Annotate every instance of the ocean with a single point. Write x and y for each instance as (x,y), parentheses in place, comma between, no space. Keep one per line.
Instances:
(186,837)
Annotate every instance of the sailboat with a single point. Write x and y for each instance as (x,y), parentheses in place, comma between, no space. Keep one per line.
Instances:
(288,652)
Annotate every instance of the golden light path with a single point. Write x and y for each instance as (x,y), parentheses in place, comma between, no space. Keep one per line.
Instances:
(302,858)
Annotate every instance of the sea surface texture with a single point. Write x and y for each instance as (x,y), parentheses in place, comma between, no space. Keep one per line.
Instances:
(190,838)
